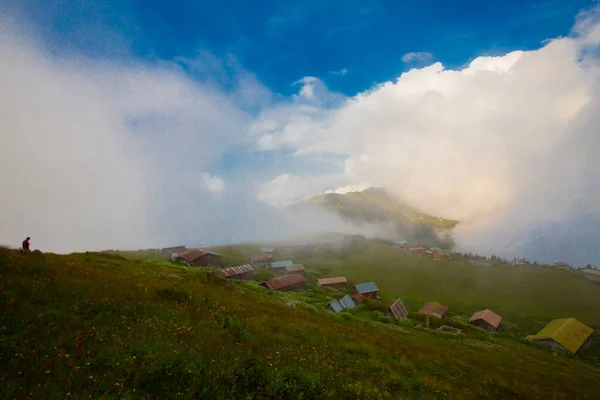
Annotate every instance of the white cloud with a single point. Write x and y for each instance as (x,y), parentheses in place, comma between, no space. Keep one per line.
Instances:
(587,26)
(350,188)
(341,72)
(286,189)
(417,56)
(214,184)
(97,155)
(501,144)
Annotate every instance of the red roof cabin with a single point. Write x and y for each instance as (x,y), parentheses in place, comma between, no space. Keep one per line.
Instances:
(398,310)
(435,309)
(561,265)
(286,283)
(174,249)
(486,319)
(359,298)
(241,272)
(199,258)
(338,282)
(417,250)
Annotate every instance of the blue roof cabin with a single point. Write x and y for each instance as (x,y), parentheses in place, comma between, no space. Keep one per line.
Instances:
(267,250)
(347,302)
(400,243)
(368,290)
(281,265)
(334,306)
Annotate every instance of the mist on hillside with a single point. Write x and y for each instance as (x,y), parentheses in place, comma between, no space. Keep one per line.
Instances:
(100,153)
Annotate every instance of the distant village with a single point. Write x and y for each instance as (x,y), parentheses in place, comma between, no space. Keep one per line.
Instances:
(567,334)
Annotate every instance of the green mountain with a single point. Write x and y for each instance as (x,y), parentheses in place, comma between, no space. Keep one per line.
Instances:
(101,326)
(372,205)
(378,206)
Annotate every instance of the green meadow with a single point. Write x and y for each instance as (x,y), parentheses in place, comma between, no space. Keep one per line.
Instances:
(102,326)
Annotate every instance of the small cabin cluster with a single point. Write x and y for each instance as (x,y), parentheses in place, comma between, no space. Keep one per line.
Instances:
(434,252)
(361,293)
(567,334)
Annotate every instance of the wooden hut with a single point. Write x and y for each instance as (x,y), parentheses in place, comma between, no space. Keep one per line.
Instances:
(295,269)
(486,319)
(417,250)
(368,290)
(435,309)
(199,258)
(567,334)
(174,249)
(398,310)
(286,283)
(280,266)
(334,306)
(338,282)
(240,272)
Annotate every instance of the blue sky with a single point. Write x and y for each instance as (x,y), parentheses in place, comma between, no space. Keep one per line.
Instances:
(282,41)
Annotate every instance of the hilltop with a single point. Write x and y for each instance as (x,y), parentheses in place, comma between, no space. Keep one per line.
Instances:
(377,206)
(102,326)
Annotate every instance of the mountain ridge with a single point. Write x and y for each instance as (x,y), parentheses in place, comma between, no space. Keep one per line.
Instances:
(376,206)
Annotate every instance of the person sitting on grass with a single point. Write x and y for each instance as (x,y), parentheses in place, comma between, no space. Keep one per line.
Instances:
(26,245)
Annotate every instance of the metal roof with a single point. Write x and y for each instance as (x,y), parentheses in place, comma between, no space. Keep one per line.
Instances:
(359,297)
(174,249)
(267,250)
(347,302)
(285,281)
(335,306)
(398,309)
(434,308)
(590,271)
(262,257)
(294,268)
(332,281)
(234,271)
(568,332)
(488,316)
(400,242)
(191,255)
(212,252)
(282,264)
(419,248)
(366,287)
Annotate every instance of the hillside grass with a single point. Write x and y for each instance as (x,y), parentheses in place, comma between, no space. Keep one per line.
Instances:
(101,326)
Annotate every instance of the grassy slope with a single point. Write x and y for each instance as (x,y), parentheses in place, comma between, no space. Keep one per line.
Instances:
(373,205)
(150,327)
